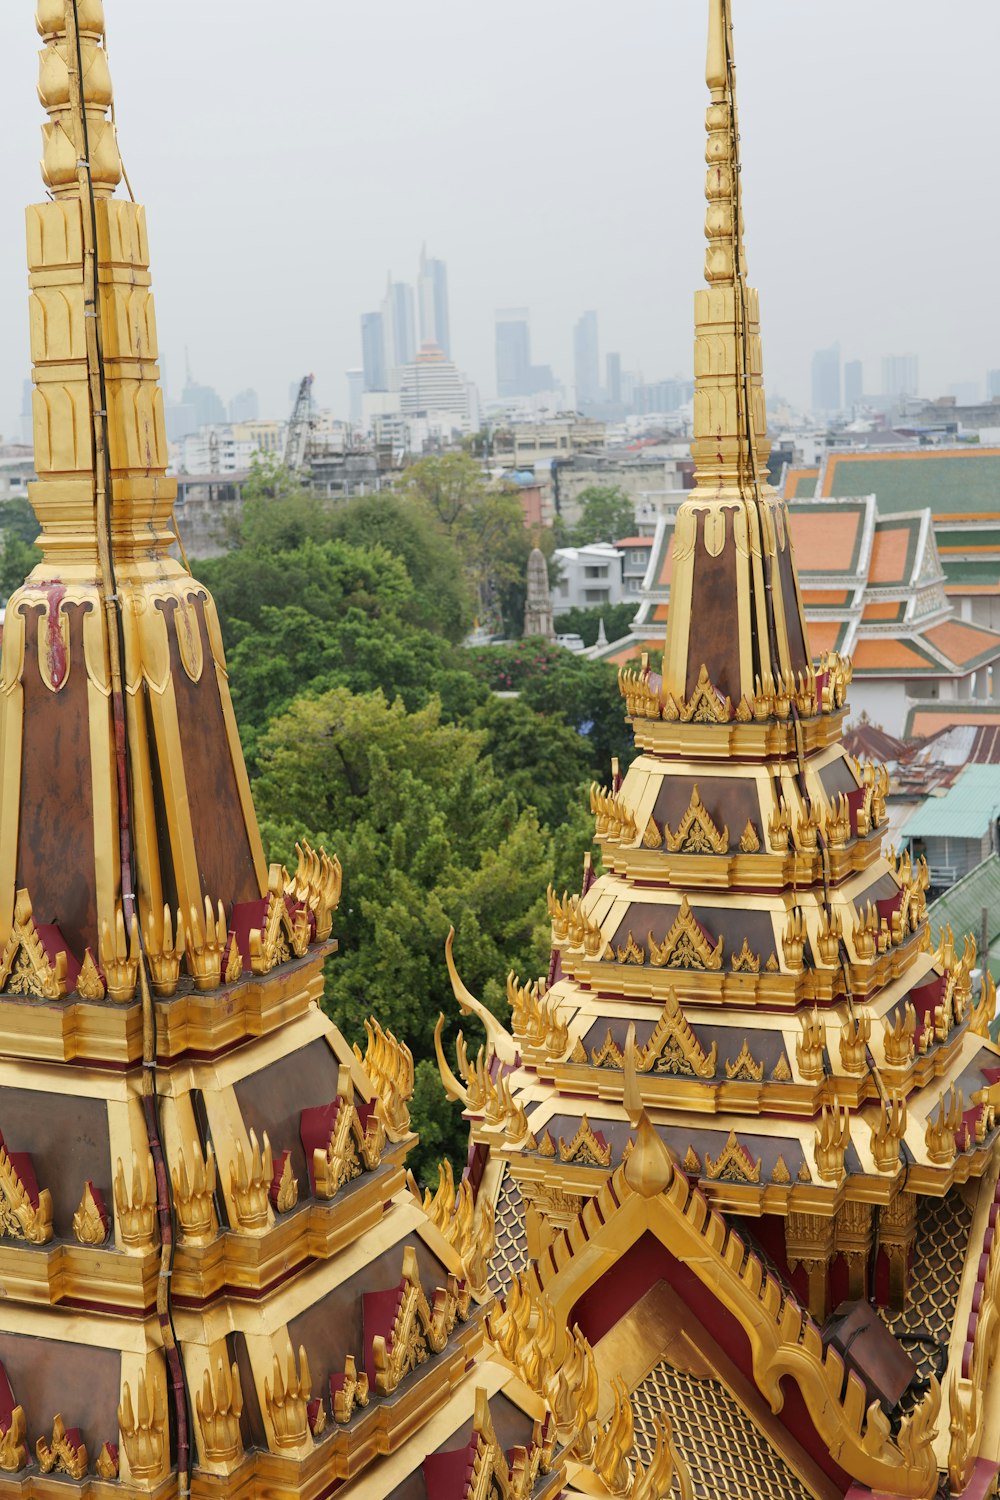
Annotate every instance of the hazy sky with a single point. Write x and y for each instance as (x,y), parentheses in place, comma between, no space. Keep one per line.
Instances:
(551,152)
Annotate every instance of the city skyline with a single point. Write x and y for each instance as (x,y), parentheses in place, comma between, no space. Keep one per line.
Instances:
(561,250)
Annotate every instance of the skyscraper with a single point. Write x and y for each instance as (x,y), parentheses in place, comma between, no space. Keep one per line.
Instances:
(826,380)
(205,402)
(614,378)
(244,407)
(854,383)
(992,384)
(373,351)
(399,327)
(899,375)
(513,352)
(432,298)
(586,361)
(355,389)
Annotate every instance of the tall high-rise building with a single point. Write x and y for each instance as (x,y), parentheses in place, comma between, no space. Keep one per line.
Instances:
(513,352)
(854,383)
(373,351)
(586,360)
(826,380)
(899,375)
(355,391)
(992,384)
(244,407)
(431,384)
(205,403)
(432,298)
(613,364)
(399,326)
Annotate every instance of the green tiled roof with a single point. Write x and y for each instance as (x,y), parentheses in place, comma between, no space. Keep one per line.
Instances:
(805,485)
(971,573)
(965,536)
(964,812)
(964,481)
(962,908)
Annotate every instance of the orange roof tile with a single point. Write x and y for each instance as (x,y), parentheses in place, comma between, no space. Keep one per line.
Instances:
(887,655)
(939,716)
(633,541)
(796,484)
(823,636)
(823,598)
(889,550)
(825,540)
(960,642)
(883,611)
(667,568)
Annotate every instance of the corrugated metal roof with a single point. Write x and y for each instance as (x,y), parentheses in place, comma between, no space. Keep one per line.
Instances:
(964,812)
(962,908)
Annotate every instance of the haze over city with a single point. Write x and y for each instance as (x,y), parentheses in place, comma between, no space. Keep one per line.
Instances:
(550,159)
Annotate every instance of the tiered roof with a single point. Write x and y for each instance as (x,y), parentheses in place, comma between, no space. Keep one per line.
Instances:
(960,487)
(216,1278)
(872,587)
(751,1086)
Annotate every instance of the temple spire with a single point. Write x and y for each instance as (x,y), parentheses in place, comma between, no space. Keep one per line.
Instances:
(115,700)
(74,36)
(733,562)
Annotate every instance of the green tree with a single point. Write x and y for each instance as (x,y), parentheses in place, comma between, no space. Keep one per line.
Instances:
(585,694)
(429,837)
(485,522)
(17,518)
(18,529)
(16,562)
(442,599)
(324,615)
(586,623)
(606,515)
(279,511)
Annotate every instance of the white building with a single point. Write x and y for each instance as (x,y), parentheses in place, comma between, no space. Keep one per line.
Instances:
(229,448)
(588,576)
(432,387)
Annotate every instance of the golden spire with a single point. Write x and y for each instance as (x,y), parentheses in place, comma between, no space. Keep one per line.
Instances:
(124,784)
(733,562)
(74,52)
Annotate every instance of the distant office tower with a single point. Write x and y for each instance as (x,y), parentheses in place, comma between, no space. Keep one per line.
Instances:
(431,384)
(513,352)
(355,392)
(614,369)
(854,383)
(899,375)
(399,326)
(373,351)
(432,296)
(205,403)
(826,380)
(586,361)
(992,384)
(244,407)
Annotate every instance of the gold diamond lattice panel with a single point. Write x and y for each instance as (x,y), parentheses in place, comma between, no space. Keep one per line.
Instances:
(728,1457)
(511,1254)
(938,1258)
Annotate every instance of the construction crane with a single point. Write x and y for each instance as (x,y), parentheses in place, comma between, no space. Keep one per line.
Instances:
(300,427)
